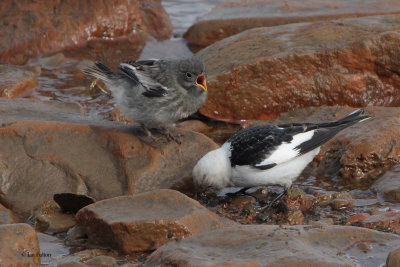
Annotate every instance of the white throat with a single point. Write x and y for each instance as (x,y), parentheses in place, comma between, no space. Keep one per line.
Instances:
(214,169)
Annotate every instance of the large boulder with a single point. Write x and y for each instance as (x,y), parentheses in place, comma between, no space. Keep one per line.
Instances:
(272,245)
(145,221)
(263,72)
(48,148)
(234,16)
(29,28)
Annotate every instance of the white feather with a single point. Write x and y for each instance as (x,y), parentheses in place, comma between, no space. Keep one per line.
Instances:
(214,169)
(282,174)
(286,151)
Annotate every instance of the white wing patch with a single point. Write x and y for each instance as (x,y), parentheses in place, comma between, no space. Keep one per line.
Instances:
(143,78)
(286,151)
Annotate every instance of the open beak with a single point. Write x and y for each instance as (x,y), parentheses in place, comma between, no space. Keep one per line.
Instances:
(201,82)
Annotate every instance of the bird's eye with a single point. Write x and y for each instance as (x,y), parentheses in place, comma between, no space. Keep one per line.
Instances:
(189,75)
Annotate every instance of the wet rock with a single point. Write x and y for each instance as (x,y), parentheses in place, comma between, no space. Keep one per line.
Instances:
(296,199)
(341,200)
(145,221)
(102,261)
(49,148)
(89,19)
(72,203)
(357,218)
(16,81)
(50,219)
(387,221)
(234,16)
(265,71)
(80,258)
(388,185)
(19,245)
(270,245)
(261,194)
(243,201)
(6,215)
(295,217)
(393,258)
(324,200)
(71,264)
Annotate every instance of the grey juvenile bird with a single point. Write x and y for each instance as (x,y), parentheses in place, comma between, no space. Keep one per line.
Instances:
(155,93)
(268,154)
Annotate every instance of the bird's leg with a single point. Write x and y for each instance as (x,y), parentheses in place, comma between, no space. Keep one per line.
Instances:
(263,216)
(238,193)
(170,136)
(275,202)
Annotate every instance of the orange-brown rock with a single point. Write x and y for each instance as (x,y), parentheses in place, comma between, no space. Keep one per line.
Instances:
(19,245)
(49,218)
(271,245)
(263,72)
(16,81)
(393,258)
(145,221)
(49,148)
(30,28)
(234,16)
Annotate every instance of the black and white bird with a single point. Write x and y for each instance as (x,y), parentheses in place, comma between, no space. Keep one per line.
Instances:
(155,93)
(267,154)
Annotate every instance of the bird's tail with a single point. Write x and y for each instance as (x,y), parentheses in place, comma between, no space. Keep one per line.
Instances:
(100,71)
(326,131)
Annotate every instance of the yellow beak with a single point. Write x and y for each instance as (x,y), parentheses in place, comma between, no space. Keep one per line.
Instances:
(201,82)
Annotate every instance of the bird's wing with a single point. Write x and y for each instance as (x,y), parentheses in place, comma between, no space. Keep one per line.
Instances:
(265,146)
(147,73)
(257,146)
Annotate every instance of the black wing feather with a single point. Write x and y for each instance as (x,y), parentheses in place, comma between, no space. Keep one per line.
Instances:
(252,145)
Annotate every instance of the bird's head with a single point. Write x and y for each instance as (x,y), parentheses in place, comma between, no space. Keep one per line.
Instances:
(191,75)
(213,171)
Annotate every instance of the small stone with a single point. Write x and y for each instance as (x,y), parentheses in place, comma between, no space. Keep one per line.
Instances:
(49,218)
(324,200)
(295,217)
(340,204)
(102,261)
(296,199)
(243,201)
(393,259)
(342,195)
(261,194)
(357,218)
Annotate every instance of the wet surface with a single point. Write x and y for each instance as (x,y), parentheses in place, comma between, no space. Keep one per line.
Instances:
(60,78)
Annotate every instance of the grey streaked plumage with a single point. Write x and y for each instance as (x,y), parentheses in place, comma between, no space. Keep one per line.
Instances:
(155,93)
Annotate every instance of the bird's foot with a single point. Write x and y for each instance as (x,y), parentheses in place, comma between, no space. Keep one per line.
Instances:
(263,215)
(170,136)
(148,133)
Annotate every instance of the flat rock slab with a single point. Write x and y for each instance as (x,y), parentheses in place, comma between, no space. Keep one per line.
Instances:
(234,16)
(19,245)
(145,221)
(271,245)
(263,72)
(30,28)
(49,148)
